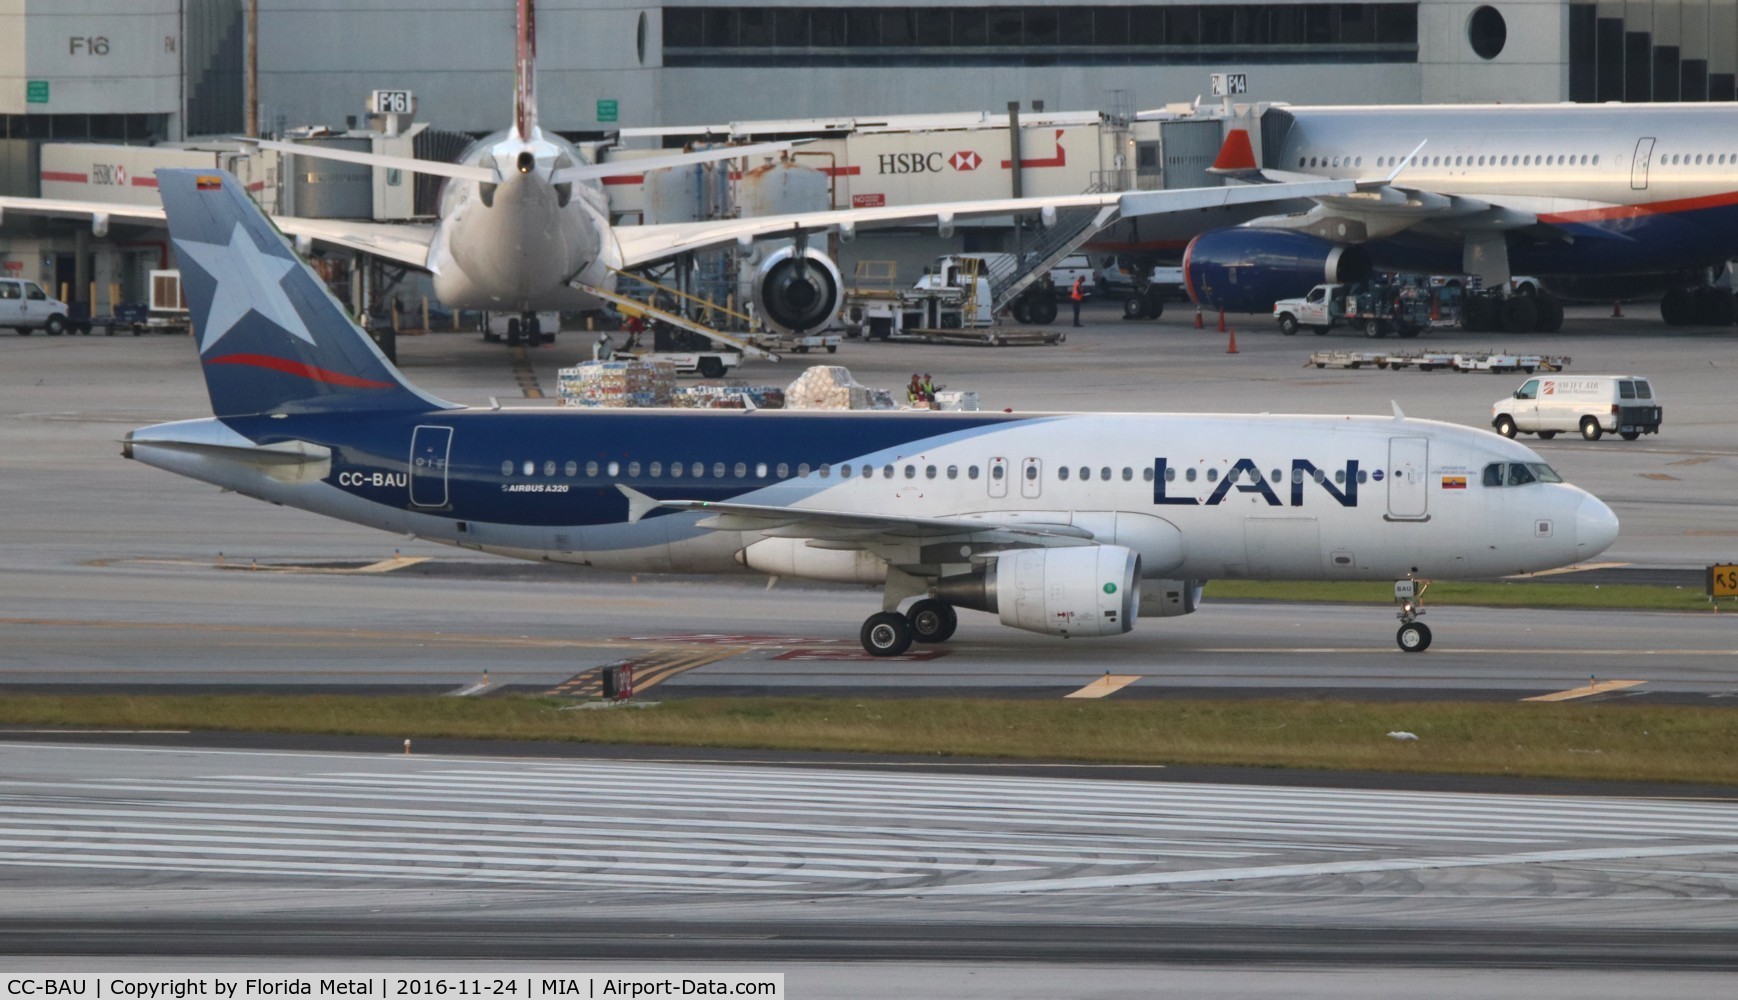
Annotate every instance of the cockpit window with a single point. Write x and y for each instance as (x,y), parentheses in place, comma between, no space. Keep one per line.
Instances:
(1519,474)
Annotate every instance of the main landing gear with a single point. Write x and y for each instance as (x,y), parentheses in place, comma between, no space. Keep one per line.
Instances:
(890,633)
(1414,635)
(527,328)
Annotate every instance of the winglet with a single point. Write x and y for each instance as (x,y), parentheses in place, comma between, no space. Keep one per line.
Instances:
(639,504)
(1236,154)
(1397,414)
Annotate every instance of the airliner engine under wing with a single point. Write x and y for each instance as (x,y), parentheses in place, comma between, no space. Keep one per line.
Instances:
(1061,524)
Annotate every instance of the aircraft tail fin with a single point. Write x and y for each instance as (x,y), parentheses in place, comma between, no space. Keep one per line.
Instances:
(1236,156)
(271,338)
(525,72)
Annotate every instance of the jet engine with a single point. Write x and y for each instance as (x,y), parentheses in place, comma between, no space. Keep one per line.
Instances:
(797,292)
(1248,270)
(1083,591)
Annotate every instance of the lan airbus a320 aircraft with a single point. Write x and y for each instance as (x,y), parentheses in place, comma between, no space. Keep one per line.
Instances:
(1061,524)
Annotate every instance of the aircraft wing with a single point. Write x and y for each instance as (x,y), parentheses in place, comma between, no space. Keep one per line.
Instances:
(407,244)
(642,245)
(850,530)
(68,208)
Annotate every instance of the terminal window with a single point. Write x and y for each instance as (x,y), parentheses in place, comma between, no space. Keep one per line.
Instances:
(1148,34)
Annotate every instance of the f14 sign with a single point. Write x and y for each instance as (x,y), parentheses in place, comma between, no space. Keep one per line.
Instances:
(1230,84)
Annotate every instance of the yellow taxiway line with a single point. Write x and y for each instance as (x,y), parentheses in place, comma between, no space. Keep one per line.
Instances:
(1592,688)
(1108,684)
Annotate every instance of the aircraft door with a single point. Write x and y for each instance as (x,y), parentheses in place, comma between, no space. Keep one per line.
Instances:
(430,447)
(1644,153)
(997,481)
(1408,466)
(1031,477)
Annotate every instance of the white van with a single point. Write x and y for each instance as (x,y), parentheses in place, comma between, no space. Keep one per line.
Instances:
(24,307)
(1591,404)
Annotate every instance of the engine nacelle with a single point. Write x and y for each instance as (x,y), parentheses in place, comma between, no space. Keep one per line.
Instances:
(1083,591)
(795,294)
(1170,598)
(1248,270)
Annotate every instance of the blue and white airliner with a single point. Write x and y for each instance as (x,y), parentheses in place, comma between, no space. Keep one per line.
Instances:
(1062,524)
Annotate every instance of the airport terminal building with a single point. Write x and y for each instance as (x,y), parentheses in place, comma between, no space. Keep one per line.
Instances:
(132,70)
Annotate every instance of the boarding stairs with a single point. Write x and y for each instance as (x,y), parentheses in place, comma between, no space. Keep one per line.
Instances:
(1031,262)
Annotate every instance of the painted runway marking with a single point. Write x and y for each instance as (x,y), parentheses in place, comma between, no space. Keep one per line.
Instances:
(1587,691)
(205,818)
(649,671)
(1108,684)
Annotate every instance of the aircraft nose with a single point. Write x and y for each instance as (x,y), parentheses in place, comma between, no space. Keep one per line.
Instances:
(1595,527)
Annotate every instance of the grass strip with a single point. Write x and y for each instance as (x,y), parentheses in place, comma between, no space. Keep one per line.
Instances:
(1500,594)
(1585,741)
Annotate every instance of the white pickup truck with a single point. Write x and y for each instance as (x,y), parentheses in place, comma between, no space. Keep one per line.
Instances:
(1320,310)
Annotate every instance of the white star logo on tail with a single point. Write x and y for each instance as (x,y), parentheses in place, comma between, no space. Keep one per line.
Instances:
(247,278)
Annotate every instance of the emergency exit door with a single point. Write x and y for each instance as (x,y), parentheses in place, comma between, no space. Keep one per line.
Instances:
(430,448)
(1644,154)
(1408,467)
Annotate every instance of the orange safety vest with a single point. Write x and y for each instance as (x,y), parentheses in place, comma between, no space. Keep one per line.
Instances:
(1075,292)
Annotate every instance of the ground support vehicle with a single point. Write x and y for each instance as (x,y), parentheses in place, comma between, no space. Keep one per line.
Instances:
(828,342)
(1595,405)
(25,307)
(1378,309)
(1428,361)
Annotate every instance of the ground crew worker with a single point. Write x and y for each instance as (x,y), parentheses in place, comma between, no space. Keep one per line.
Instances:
(1077,295)
(928,388)
(914,391)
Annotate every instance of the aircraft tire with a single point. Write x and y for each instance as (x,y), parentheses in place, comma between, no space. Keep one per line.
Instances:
(932,620)
(1134,307)
(1677,307)
(1155,306)
(1520,314)
(1550,314)
(533,332)
(886,633)
(513,332)
(1506,426)
(1019,311)
(1413,637)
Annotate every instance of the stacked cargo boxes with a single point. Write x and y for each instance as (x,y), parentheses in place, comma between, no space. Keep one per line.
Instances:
(618,383)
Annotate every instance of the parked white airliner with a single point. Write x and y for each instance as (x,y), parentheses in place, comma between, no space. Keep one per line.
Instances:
(1061,524)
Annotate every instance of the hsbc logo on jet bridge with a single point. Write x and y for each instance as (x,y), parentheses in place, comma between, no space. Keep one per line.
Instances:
(1246,477)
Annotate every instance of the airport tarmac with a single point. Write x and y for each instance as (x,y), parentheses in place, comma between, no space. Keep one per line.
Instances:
(116,575)
(843,875)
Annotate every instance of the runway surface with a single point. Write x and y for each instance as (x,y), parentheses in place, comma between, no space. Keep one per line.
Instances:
(127,850)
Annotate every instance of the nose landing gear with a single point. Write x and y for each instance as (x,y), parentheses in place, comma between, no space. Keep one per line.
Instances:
(1414,635)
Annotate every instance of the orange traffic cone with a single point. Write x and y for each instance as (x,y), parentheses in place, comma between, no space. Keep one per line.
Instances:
(1221,321)
(1233,348)
(1198,324)
(1617,310)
